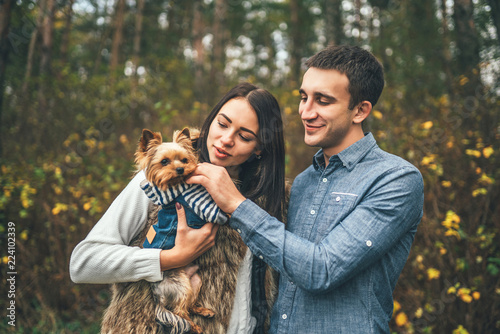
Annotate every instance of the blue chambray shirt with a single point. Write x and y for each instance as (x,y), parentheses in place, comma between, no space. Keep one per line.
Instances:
(349,232)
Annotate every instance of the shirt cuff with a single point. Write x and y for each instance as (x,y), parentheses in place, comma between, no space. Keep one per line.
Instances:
(246,218)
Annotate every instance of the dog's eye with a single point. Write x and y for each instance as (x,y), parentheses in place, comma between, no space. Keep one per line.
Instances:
(165,162)
(184,161)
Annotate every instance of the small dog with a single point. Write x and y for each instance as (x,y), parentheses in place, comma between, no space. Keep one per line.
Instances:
(146,307)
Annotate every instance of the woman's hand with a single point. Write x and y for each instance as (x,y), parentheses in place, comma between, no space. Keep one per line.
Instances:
(190,243)
(219,184)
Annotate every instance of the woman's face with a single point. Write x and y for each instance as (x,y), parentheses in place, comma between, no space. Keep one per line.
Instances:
(232,137)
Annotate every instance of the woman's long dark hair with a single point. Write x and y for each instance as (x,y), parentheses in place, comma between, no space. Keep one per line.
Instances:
(261,180)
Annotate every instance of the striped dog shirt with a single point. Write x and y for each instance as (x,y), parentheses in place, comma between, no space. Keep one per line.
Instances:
(198,204)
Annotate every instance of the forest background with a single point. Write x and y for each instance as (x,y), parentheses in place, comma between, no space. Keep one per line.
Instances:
(81,79)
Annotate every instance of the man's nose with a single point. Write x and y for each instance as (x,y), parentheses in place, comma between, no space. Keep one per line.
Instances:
(307,110)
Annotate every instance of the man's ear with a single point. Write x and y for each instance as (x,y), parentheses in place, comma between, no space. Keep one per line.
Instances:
(362,111)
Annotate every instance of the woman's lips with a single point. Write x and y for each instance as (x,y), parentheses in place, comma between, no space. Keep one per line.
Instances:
(220,153)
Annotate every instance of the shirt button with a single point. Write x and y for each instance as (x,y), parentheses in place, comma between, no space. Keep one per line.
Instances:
(325,179)
(261,257)
(239,231)
(369,243)
(313,212)
(284,316)
(337,199)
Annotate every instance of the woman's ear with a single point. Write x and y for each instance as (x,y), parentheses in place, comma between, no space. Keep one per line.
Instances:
(362,111)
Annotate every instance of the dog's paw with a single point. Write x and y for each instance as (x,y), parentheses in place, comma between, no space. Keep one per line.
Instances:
(204,312)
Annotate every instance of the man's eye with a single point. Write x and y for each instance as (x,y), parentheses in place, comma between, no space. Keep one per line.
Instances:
(165,162)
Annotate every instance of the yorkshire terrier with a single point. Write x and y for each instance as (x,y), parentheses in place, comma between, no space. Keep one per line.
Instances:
(147,307)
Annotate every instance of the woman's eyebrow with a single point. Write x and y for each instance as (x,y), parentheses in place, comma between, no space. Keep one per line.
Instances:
(242,128)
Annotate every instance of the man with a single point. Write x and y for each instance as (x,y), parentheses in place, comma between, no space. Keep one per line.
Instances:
(352,215)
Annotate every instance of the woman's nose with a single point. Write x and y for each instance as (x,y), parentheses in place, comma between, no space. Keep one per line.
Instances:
(227,139)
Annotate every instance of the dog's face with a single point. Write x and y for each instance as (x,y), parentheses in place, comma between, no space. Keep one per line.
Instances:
(166,164)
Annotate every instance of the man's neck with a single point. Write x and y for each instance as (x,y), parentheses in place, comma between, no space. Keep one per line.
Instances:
(350,138)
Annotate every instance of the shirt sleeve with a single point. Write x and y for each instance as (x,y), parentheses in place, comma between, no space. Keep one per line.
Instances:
(387,214)
(104,255)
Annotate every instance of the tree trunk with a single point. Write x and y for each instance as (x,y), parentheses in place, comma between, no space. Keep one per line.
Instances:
(446,52)
(495,15)
(47,37)
(47,33)
(5,13)
(198,33)
(467,41)
(297,40)
(333,22)
(118,34)
(218,51)
(66,33)
(137,41)
(32,45)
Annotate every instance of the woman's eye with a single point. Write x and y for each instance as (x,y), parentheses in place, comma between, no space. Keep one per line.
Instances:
(222,125)
(245,138)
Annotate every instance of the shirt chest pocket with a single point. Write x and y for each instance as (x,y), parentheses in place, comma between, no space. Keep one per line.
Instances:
(337,206)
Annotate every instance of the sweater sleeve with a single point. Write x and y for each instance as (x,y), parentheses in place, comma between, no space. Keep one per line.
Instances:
(104,255)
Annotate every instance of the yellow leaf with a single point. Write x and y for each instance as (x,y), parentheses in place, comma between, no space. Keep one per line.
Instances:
(460,330)
(295,92)
(476,295)
(419,312)
(397,306)
(401,319)
(451,290)
(463,80)
(87,206)
(446,184)
(487,152)
(433,273)
(473,153)
(5,259)
(123,139)
(377,114)
(480,191)
(466,298)
(442,251)
(56,211)
(426,125)
(24,235)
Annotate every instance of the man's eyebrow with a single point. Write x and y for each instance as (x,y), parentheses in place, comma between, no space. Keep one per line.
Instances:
(319,94)
(242,128)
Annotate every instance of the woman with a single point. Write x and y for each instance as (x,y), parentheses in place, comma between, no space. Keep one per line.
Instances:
(243,133)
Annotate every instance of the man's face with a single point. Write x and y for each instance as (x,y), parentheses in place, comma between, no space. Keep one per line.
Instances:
(324,110)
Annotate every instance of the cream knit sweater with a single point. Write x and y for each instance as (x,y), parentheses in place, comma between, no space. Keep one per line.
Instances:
(105,257)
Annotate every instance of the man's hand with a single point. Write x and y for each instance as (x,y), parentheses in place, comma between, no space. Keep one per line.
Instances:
(219,184)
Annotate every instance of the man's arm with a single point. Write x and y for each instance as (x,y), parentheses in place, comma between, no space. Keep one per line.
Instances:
(387,215)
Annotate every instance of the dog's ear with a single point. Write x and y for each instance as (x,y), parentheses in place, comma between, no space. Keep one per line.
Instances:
(148,137)
(195,135)
(183,138)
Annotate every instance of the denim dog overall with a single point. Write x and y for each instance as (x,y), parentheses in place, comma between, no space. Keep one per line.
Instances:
(198,205)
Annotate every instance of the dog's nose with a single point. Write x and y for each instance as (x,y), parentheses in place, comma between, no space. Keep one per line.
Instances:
(179,170)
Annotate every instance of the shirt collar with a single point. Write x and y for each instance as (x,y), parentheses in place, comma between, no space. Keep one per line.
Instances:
(349,156)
